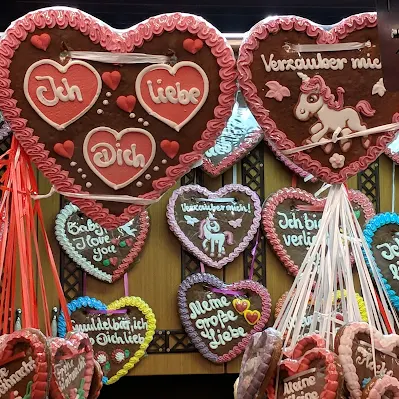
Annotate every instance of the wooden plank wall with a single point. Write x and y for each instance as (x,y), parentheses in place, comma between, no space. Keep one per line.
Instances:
(157,276)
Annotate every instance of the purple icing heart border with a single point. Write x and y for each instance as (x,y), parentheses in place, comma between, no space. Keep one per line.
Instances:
(229,188)
(213,281)
(269,341)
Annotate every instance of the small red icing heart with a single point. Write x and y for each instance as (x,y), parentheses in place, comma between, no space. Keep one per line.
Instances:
(252,316)
(241,304)
(114,261)
(112,79)
(129,242)
(65,149)
(115,241)
(170,148)
(41,41)
(193,46)
(126,103)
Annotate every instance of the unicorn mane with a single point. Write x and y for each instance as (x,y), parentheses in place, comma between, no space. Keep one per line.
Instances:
(316,84)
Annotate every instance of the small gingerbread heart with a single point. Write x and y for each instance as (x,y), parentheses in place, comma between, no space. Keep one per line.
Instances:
(72,366)
(211,321)
(119,333)
(95,248)
(382,387)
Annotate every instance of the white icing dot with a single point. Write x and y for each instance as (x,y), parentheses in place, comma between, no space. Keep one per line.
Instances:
(108,94)
(99,111)
(164,161)
(159,81)
(118,144)
(148,176)
(139,184)
(140,120)
(156,168)
(73,163)
(84,176)
(132,115)
(88,184)
(80,170)
(145,123)
(105,102)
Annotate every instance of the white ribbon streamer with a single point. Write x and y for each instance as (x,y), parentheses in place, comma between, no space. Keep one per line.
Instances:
(316,48)
(118,58)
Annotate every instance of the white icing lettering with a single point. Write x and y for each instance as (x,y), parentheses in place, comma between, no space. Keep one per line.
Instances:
(8,381)
(66,372)
(107,156)
(173,95)
(72,93)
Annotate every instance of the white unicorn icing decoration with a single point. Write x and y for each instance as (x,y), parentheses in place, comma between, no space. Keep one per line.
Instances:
(209,232)
(316,100)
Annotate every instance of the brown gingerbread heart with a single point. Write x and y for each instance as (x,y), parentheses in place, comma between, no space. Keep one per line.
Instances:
(303,84)
(181,96)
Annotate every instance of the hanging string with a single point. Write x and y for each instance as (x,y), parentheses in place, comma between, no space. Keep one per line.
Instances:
(202,267)
(253,253)
(393,186)
(84,283)
(126,284)
(294,180)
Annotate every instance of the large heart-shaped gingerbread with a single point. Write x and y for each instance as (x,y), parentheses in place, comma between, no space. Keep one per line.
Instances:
(24,365)
(119,333)
(259,364)
(241,134)
(105,254)
(302,83)
(291,231)
(382,237)
(72,363)
(354,349)
(210,314)
(215,226)
(95,122)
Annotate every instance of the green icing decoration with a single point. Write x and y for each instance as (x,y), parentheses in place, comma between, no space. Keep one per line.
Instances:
(81,391)
(28,390)
(106,262)
(107,366)
(357,213)
(127,352)
(122,244)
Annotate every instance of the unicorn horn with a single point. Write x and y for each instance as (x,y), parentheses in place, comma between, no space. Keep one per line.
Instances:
(303,76)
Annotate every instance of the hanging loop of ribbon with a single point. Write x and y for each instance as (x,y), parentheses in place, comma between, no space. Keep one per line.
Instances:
(315,48)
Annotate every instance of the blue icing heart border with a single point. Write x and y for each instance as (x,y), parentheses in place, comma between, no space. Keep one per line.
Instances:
(369,231)
(78,303)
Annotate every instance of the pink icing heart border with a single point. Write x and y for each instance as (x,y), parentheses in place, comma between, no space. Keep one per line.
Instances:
(343,347)
(269,210)
(212,280)
(115,41)
(72,341)
(280,140)
(228,188)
